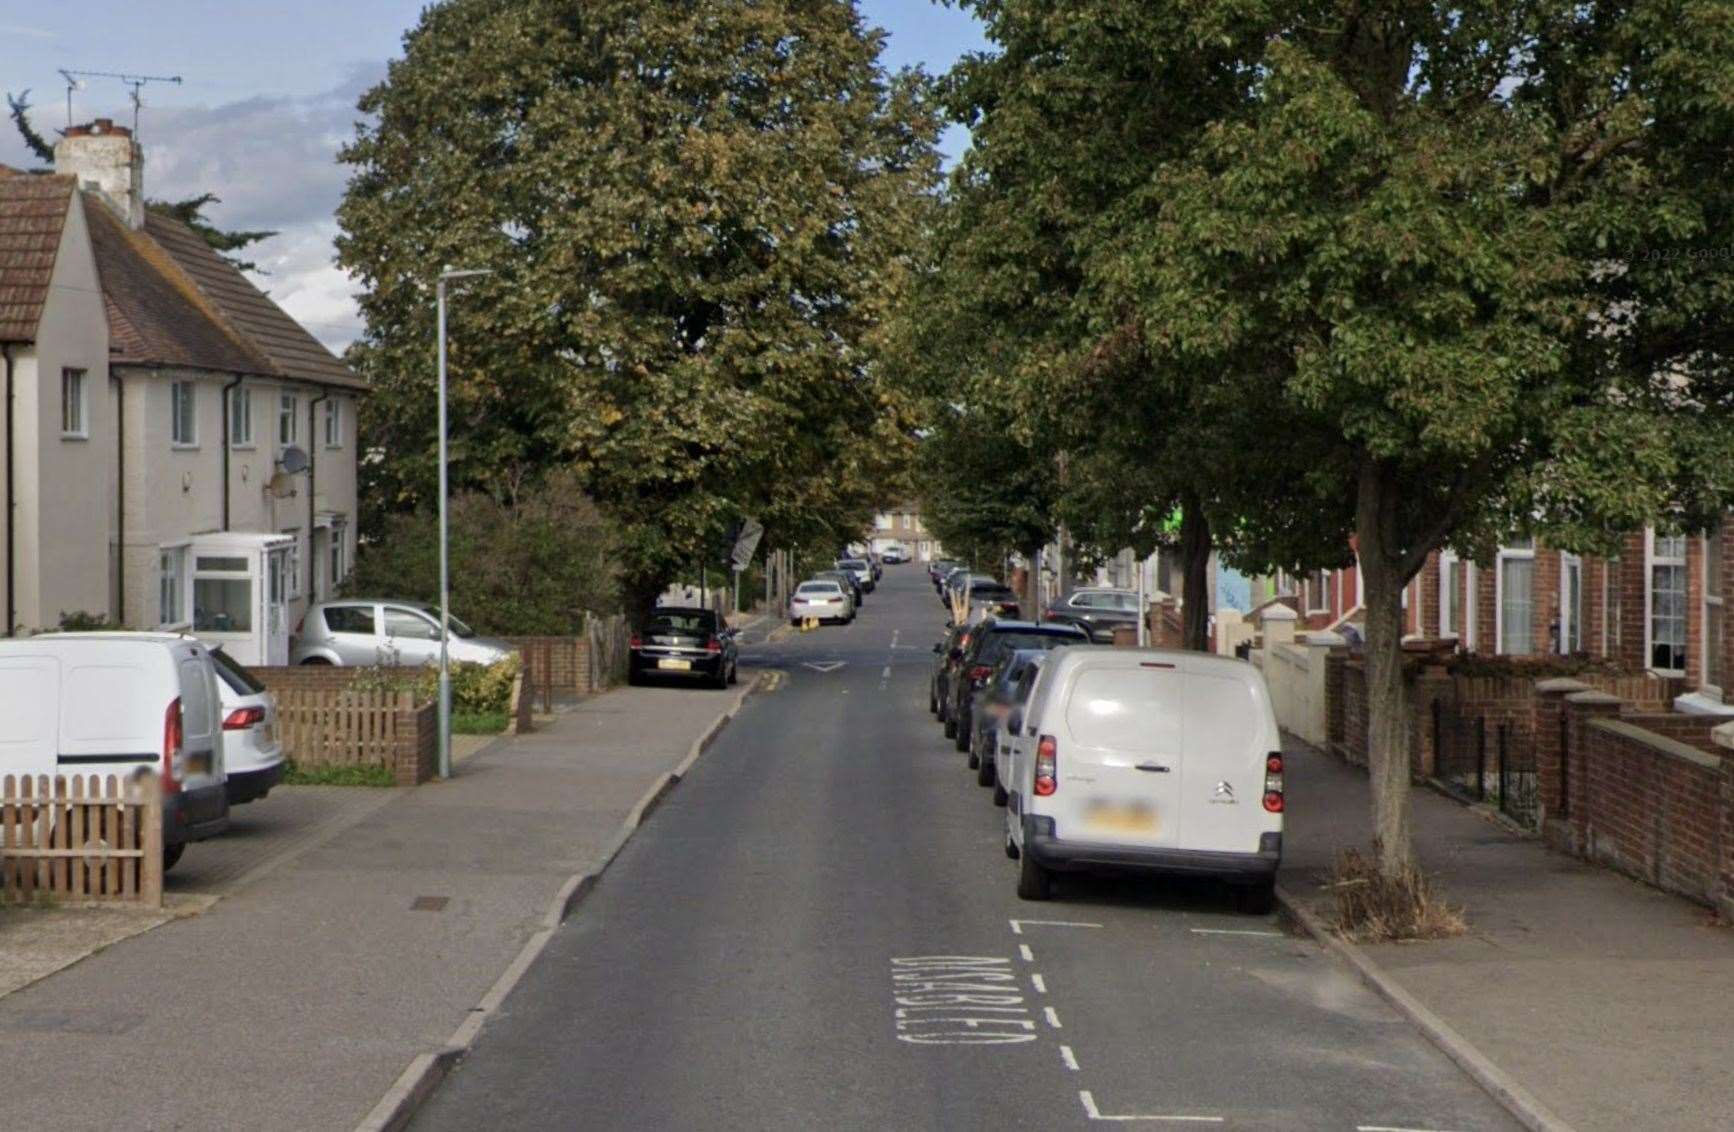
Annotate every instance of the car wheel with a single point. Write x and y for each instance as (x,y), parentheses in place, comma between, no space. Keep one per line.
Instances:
(961,738)
(1256,899)
(735,672)
(984,773)
(950,727)
(1011,847)
(172,854)
(634,677)
(1000,797)
(721,679)
(939,710)
(1034,882)
(317,660)
(932,701)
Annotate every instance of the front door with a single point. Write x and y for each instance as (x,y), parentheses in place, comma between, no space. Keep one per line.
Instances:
(274,647)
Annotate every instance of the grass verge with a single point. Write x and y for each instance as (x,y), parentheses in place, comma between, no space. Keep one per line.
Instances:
(329,775)
(478,722)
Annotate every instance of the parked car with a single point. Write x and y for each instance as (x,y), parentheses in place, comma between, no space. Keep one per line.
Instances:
(938,569)
(948,652)
(364,631)
(1005,689)
(849,579)
(992,640)
(861,568)
(1098,611)
(252,748)
(1005,730)
(122,704)
(683,644)
(1147,760)
(825,599)
(894,556)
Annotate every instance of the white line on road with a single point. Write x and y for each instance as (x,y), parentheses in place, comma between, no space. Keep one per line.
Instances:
(1028,955)
(1390,1128)
(886,674)
(1070,1058)
(1053,1018)
(1017,926)
(1039,983)
(1234,931)
(1094,1113)
(824,666)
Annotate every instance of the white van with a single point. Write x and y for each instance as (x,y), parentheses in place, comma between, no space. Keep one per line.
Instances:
(1146,760)
(124,704)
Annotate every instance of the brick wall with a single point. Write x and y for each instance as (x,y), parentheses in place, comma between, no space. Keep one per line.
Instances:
(1631,584)
(1352,743)
(559,664)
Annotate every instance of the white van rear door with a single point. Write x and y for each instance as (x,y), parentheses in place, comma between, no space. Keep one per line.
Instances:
(111,715)
(1119,752)
(1227,741)
(201,720)
(29,714)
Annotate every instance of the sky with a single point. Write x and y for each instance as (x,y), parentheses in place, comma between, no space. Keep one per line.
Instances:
(266,98)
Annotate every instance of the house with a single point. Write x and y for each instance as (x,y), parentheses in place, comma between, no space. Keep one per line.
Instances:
(178,451)
(902,526)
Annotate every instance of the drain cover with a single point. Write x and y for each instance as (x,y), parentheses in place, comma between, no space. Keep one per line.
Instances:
(429,903)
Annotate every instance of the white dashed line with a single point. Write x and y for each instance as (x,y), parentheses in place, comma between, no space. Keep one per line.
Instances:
(1040,984)
(1094,1113)
(1028,955)
(1234,931)
(1017,926)
(1070,1058)
(886,675)
(1053,1018)
(1390,1128)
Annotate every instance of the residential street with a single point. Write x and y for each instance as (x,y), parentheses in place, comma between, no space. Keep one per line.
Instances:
(737,966)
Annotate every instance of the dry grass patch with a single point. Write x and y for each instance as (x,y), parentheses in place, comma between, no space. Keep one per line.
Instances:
(1376,909)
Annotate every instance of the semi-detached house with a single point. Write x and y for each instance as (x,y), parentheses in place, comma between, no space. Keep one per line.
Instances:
(178,451)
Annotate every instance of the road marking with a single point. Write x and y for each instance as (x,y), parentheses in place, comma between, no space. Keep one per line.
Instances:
(824,665)
(1053,1018)
(1017,926)
(951,1000)
(1390,1128)
(1028,955)
(1094,1113)
(1039,983)
(1070,1058)
(1235,931)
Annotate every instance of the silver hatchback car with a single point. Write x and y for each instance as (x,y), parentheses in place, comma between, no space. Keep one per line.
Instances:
(364,631)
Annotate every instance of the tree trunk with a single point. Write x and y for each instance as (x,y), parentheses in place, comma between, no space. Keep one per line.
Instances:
(1031,597)
(639,593)
(1195,586)
(1388,730)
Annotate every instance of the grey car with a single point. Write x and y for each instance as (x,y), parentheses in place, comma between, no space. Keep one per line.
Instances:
(364,631)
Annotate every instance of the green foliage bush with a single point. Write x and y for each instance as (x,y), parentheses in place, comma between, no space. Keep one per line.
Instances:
(530,564)
(367,774)
(477,689)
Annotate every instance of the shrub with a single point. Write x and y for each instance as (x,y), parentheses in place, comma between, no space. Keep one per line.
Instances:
(477,689)
(328,774)
(1373,909)
(478,723)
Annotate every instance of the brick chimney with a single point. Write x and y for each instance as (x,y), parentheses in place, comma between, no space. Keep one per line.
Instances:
(103,156)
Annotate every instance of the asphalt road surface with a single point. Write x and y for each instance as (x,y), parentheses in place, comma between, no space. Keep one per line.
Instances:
(818,930)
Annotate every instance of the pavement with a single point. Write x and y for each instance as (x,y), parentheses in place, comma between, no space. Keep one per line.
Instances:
(1602,999)
(346,933)
(818,929)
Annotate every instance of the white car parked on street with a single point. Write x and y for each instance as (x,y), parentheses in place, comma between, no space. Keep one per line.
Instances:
(822,601)
(252,747)
(1146,760)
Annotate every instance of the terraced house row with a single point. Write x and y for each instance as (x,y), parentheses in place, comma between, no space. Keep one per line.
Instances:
(179,452)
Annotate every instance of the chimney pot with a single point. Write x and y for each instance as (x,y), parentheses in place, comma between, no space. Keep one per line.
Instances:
(104,157)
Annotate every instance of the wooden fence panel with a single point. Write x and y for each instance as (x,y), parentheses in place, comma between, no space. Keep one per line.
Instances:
(81,839)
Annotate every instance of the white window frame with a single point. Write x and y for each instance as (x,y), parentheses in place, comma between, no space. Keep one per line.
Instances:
(337,554)
(1570,618)
(168,583)
(74,403)
(240,418)
(1449,564)
(288,419)
(184,394)
(1651,561)
(1515,552)
(292,565)
(1318,589)
(1471,610)
(333,422)
(1712,599)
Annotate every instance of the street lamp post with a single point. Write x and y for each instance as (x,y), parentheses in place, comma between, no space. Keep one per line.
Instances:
(445,708)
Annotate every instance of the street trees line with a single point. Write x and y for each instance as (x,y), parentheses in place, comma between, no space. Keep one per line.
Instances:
(697,217)
(1395,277)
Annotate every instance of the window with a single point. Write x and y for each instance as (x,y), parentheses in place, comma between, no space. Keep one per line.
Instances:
(292,565)
(1667,600)
(222,603)
(287,419)
(1319,592)
(350,619)
(1570,605)
(172,586)
(184,425)
(409,625)
(338,566)
(1516,581)
(333,423)
(1713,611)
(240,417)
(1450,595)
(72,404)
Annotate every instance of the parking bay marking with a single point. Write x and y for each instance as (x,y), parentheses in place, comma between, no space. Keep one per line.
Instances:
(1027,955)
(1070,1058)
(1094,1113)
(1017,926)
(959,1000)
(1235,931)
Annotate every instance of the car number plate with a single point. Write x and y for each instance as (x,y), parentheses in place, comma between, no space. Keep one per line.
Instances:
(1135,817)
(675,665)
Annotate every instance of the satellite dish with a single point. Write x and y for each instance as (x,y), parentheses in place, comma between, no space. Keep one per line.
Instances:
(293,461)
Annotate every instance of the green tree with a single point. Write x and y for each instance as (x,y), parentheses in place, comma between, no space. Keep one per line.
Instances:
(697,214)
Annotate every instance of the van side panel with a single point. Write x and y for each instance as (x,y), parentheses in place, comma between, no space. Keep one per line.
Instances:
(29,712)
(108,707)
(1228,736)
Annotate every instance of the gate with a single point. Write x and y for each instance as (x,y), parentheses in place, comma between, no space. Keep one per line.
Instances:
(1480,761)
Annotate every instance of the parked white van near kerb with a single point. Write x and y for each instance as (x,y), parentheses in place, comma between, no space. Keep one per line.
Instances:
(1147,760)
(125,704)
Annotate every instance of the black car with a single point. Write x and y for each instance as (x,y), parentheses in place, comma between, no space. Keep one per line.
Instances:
(683,644)
(849,579)
(950,652)
(1098,612)
(992,640)
(1006,691)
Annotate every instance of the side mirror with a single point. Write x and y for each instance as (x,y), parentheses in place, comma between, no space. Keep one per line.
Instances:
(1015,722)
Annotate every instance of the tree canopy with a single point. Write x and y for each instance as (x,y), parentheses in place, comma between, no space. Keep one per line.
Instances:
(697,215)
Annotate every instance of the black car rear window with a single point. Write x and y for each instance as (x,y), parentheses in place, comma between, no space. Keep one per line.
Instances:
(698,622)
(239,680)
(998,644)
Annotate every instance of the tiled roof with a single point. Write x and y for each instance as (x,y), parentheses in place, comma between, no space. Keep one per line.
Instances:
(155,314)
(247,312)
(32,215)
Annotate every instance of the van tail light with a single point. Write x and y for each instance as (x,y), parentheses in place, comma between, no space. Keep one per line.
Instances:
(174,740)
(244,717)
(713,645)
(1047,766)
(635,641)
(980,672)
(1273,782)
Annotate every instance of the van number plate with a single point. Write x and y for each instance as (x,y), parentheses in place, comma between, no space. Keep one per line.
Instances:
(1120,817)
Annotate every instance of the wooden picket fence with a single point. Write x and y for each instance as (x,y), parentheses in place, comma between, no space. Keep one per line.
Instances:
(81,839)
(345,727)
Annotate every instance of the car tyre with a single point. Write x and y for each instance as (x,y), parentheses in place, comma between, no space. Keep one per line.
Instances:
(1256,899)
(932,701)
(735,672)
(634,677)
(984,775)
(1000,797)
(1011,847)
(1034,882)
(172,855)
(961,739)
(950,727)
(313,660)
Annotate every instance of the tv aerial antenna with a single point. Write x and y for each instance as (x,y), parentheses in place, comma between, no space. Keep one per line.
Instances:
(75,81)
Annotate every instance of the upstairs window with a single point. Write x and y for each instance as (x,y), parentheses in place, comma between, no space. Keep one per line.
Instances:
(333,423)
(184,421)
(72,405)
(288,419)
(240,417)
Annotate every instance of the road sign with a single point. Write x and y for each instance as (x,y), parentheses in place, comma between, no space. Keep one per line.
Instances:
(746,542)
